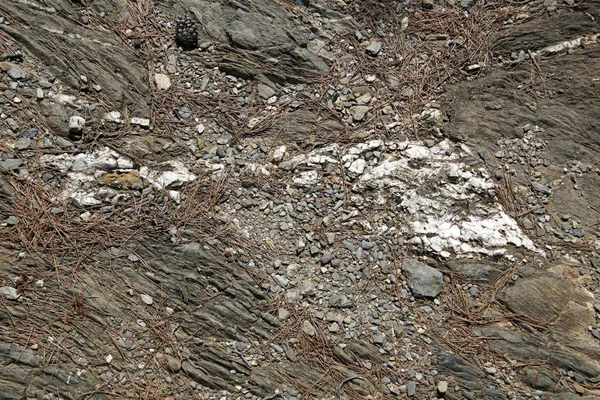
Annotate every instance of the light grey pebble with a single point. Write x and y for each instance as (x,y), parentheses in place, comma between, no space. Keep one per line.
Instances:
(146,299)
(9,292)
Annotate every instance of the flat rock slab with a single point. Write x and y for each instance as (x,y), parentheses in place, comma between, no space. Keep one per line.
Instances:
(571,76)
(260,38)
(547,299)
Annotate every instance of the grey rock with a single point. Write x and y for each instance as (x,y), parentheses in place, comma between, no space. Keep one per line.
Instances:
(541,188)
(22,143)
(367,245)
(282,280)
(12,220)
(264,91)
(11,163)
(373,49)
(174,364)
(330,237)
(423,280)
(359,112)
(9,293)
(379,338)
(411,388)
(13,71)
(326,258)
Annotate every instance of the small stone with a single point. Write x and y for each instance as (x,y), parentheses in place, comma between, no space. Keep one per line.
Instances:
(442,387)
(541,188)
(490,370)
(265,92)
(326,258)
(358,166)
(174,364)
(12,220)
(162,81)
(411,388)
(282,280)
(578,388)
(379,338)
(22,143)
(143,122)
(359,112)
(330,237)
(39,93)
(527,224)
(278,154)
(308,328)
(373,49)
(184,112)
(14,71)
(423,280)
(334,327)
(283,314)
(11,163)
(9,292)
(146,299)
(76,124)
(366,245)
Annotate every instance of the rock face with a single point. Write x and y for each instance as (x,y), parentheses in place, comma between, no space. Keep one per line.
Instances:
(68,48)
(422,279)
(260,39)
(238,220)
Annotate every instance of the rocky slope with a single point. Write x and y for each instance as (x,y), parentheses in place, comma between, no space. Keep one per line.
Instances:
(322,200)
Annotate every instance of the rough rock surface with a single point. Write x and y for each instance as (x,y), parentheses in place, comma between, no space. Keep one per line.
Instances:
(324,199)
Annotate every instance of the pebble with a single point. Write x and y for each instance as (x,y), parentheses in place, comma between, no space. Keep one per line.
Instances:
(283,314)
(174,364)
(76,124)
(541,188)
(146,299)
(379,338)
(162,81)
(12,220)
(326,258)
(12,70)
(308,328)
(359,112)
(373,49)
(442,387)
(143,122)
(411,388)
(11,163)
(9,292)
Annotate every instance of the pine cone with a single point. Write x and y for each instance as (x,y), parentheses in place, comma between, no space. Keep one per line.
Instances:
(186,32)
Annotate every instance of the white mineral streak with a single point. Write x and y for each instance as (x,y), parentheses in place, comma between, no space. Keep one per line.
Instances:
(430,187)
(82,170)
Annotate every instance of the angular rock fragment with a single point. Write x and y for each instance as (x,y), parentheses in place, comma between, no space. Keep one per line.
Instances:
(423,280)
